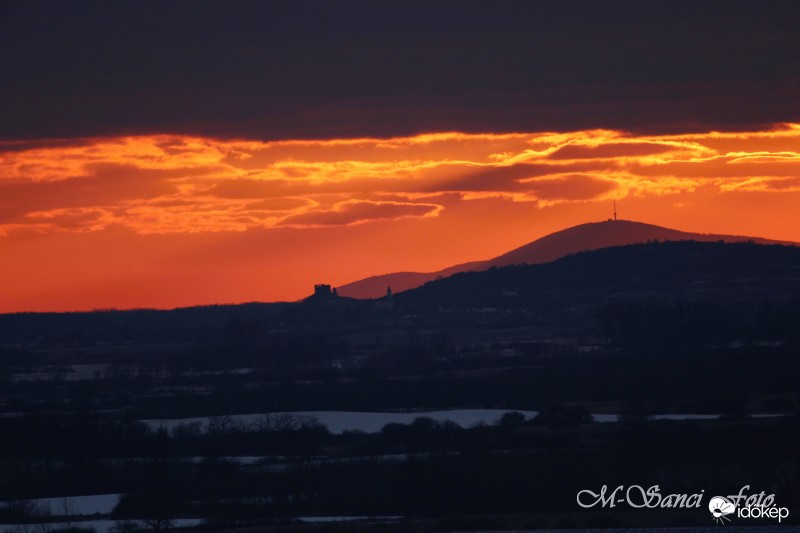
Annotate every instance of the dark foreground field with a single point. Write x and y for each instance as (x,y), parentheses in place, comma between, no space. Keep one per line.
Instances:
(672,365)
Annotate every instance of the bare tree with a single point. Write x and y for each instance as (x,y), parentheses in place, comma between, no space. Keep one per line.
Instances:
(67,508)
(158,524)
(223,425)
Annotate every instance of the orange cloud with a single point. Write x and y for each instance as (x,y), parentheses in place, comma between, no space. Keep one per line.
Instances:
(569,187)
(179,184)
(147,209)
(617,149)
(359,211)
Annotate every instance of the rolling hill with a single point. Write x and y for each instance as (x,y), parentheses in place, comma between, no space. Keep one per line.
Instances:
(590,236)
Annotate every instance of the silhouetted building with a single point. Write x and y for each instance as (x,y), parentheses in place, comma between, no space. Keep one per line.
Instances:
(385,302)
(322,290)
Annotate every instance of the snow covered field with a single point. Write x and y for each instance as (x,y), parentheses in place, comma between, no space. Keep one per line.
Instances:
(101,504)
(100,526)
(372,422)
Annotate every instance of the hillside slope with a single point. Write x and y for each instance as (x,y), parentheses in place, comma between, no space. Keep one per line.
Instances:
(590,236)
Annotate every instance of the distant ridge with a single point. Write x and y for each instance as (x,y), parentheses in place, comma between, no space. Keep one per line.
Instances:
(590,236)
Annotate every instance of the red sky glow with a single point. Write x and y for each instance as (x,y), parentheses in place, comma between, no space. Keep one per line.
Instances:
(172,220)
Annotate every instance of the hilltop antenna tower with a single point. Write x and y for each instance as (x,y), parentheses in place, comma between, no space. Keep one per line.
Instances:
(615,210)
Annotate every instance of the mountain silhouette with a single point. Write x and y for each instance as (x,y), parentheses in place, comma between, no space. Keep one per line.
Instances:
(741,275)
(743,279)
(590,236)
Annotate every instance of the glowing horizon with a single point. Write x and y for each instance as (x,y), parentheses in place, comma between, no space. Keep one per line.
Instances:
(172,220)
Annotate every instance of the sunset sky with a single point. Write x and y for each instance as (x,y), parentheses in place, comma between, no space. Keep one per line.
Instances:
(163,154)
